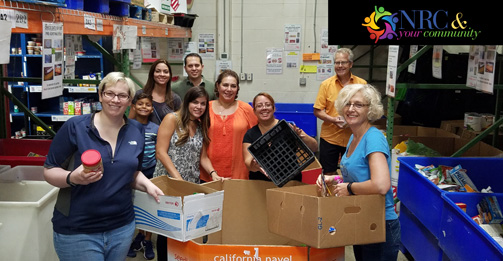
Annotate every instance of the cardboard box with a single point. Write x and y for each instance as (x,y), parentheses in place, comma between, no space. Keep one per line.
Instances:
(245,234)
(299,213)
(418,131)
(187,210)
(138,3)
(161,6)
(155,16)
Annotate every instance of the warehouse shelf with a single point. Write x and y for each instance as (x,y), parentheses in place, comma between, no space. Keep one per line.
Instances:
(74,21)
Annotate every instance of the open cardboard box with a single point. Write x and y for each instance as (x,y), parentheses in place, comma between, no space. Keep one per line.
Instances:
(186,210)
(245,234)
(301,214)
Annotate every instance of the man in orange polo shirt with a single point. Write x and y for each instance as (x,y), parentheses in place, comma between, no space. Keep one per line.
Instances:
(334,135)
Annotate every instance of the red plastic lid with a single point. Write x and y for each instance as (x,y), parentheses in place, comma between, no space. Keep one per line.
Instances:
(90,157)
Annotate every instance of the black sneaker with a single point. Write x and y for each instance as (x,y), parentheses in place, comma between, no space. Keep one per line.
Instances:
(148,249)
(136,245)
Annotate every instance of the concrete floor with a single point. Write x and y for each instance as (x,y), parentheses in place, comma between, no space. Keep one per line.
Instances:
(348,251)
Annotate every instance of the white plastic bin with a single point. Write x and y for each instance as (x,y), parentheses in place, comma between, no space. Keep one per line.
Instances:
(19,173)
(4,168)
(25,221)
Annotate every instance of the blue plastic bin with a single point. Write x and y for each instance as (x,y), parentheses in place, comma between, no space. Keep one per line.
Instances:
(75,4)
(97,6)
(135,11)
(119,8)
(423,198)
(416,239)
(463,239)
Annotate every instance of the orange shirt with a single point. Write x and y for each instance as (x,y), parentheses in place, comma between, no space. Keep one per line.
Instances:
(327,94)
(226,141)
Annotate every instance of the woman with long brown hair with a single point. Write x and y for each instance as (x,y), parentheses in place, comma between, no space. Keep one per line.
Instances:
(158,85)
(182,140)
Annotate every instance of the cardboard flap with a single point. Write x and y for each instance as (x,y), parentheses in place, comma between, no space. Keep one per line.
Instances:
(177,188)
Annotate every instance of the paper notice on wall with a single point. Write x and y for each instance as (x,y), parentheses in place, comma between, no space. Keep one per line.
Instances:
(325,68)
(391,70)
(436,62)
(5,29)
(292,37)
(8,15)
(175,50)
(222,65)
(70,42)
(481,67)
(137,58)
(292,60)
(124,37)
(150,49)
(325,47)
(274,61)
(206,46)
(52,60)
(412,67)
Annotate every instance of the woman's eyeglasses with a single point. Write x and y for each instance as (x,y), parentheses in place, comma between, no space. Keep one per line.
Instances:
(112,95)
(261,105)
(356,105)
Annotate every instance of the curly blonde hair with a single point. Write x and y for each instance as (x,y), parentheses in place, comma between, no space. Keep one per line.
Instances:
(369,92)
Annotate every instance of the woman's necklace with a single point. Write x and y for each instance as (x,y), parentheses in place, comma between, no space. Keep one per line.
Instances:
(224,108)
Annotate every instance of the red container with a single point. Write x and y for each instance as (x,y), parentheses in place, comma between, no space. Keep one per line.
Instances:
(91,160)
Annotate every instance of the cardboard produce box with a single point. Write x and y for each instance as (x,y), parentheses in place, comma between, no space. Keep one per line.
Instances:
(418,131)
(186,211)
(138,3)
(245,234)
(301,214)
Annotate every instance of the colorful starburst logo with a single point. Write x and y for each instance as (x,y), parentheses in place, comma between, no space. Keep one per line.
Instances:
(381,24)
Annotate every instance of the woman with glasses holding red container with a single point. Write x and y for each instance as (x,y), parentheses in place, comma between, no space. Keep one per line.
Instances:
(93,217)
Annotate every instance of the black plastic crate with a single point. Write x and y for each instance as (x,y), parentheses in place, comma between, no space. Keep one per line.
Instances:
(281,153)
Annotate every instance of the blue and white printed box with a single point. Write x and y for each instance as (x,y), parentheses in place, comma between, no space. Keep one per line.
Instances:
(186,210)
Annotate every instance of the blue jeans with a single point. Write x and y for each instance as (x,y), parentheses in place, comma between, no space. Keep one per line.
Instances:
(381,251)
(109,245)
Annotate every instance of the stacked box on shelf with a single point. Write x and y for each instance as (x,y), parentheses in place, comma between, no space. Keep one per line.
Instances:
(97,6)
(75,4)
(461,238)
(120,7)
(138,3)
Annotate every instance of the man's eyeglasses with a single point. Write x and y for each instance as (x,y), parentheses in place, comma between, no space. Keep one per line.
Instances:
(356,105)
(341,63)
(112,95)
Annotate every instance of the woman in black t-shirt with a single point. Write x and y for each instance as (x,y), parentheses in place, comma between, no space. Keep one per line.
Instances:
(264,107)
